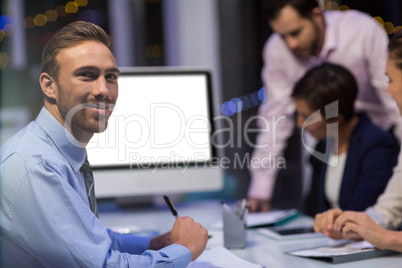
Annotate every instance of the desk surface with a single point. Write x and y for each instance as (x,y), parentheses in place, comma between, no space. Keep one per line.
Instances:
(260,248)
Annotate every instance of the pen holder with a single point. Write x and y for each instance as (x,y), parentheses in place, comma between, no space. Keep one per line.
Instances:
(234,230)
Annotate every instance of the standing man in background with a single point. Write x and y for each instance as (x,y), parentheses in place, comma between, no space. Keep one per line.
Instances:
(48,214)
(306,36)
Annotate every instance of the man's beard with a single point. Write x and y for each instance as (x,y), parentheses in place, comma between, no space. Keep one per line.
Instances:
(313,49)
(78,116)
(316,40)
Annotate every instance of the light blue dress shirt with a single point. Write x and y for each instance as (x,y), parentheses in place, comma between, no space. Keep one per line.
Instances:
(45,217)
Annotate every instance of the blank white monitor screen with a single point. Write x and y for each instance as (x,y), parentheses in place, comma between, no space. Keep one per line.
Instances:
(158,135)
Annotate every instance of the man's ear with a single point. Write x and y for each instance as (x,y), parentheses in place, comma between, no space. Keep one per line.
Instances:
(48,86)
(317,14)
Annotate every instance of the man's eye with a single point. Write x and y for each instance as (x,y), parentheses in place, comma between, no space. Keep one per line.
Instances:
(111,77)
(85,74)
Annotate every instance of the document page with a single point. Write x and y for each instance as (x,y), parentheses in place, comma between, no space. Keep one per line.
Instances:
(271,217)
(220,257)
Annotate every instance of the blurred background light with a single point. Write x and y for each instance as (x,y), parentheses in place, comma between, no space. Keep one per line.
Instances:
(61,11)
(51,15)
(389,27)
(231,107)
(81,3)
(40,20)
(4,20)
(246,103)
(3,60)
(225,109)
(71,7)
(379,20)
(154,51)
(8,29)
(2,34)
(261,94)
(254,99)
(243,103)
(238,104)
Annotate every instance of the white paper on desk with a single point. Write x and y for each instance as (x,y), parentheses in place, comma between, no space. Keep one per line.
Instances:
(263,218)
(220,257)
(346,249)
(270,217)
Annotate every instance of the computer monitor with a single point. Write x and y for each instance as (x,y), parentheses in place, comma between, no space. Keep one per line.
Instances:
(159,136)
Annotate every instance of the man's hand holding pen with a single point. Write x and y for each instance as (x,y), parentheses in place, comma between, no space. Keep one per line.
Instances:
(187,233)
(190,234)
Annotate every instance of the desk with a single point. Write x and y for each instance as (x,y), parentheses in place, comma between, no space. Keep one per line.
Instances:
(260,248)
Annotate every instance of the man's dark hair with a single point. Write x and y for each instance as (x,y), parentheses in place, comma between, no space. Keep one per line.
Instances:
(325,84)
(303,7)
(69,36)
(395,49)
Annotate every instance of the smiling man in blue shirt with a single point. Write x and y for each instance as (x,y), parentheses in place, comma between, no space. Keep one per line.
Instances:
(45,215)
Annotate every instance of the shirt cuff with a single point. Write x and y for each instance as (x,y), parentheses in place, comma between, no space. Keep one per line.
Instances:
(180,254)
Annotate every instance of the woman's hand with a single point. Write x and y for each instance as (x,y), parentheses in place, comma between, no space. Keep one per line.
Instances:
(359,225)
(324,223)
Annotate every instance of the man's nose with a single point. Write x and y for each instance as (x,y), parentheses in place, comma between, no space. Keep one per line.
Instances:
(101,90)
(292,42)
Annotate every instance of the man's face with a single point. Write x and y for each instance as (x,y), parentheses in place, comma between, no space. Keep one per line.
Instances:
(302,35)
(87,87)
(305,115)
(395,82)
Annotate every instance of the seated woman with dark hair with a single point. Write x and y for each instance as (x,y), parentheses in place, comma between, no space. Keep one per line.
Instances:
(378,223)
(354,159)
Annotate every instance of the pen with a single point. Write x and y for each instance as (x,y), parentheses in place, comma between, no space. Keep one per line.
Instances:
(173,209)
(170,205)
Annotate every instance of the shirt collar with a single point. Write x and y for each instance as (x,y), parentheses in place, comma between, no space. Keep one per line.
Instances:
(68,146)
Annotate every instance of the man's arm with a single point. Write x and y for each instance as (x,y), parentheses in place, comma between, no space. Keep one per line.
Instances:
(53,224)
(275,119)
(128,243)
